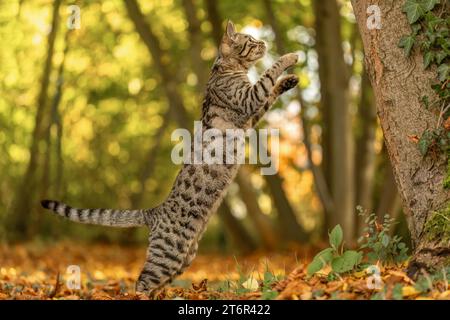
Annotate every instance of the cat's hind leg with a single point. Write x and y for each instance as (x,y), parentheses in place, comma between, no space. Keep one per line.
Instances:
(166,255)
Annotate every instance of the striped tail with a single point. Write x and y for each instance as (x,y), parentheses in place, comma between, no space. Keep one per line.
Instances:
(104,217)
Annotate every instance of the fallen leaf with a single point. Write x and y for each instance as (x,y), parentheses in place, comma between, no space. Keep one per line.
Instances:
(409,291)
(251,284)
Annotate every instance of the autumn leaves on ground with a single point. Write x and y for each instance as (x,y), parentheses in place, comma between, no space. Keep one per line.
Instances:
(31,271)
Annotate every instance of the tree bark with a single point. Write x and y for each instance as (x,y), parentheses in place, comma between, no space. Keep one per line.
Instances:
(399,83)
(333,74)
(24,199)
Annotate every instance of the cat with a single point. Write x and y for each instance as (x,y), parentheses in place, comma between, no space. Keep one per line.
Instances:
(177,224)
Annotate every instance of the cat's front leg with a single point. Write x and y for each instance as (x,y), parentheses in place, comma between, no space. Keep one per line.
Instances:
(284,84)
(288,60)
(269,78)
(258,97)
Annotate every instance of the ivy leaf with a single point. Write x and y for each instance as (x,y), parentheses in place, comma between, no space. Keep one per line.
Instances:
(425,142)
(432,20)
(407,42)
(426,101)
(429,5)
(428,59)
(416,28)
(443,72)
(414,10)
(440,56)
(336,236)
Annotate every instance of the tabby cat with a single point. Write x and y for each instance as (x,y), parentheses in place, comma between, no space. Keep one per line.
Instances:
(177,224)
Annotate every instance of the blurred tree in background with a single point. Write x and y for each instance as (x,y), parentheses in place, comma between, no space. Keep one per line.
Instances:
(86,117)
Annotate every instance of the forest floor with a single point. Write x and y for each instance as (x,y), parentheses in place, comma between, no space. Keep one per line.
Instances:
(37,271)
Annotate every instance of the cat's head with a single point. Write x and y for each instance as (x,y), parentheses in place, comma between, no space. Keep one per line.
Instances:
(240,47)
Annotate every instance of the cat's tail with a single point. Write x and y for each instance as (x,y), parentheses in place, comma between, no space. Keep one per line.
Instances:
(104,217)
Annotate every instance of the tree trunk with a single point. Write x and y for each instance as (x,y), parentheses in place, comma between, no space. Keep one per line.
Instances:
(151,41)
(239,236)
(262,222)
(365,148)
(214,19)
(195,36)
(320,183)
(24,199)
(148,166)
(292,230)
(399,83)
(334,84)
(273,21)
(389,199)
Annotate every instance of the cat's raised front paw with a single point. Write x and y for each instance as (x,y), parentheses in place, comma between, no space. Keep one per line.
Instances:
(288,82)
(290,59)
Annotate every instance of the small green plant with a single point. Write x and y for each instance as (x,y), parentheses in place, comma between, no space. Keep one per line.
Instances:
(378,242)
(248,283)
(268,282)
(340,260)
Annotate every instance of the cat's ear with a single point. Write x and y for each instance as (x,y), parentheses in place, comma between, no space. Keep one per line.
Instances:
(231,30)
(227,40)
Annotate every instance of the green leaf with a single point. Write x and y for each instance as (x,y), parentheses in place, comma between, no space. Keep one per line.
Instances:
(414,10)
(416,28)
(336,236)
(314,266)
(407,43)
(424,143)
(385,240)
(432,20)
(426,101)
(337,264)
(325,255)
(427,59)
(269,295)
(353,257)
(428,5)
(346,262)
(320,260)
(440,56)
(443,72)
